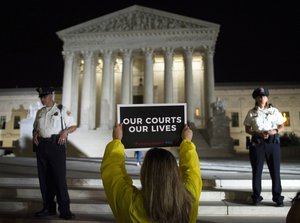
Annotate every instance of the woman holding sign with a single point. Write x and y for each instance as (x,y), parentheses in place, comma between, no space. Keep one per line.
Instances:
(168,194)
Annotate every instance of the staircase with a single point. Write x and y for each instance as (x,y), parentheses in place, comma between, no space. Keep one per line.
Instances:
(226,190)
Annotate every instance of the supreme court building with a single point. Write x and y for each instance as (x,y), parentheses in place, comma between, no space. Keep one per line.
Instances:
(138,55)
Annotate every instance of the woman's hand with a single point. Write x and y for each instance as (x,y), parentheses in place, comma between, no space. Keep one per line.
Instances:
(187,133)
(118,131)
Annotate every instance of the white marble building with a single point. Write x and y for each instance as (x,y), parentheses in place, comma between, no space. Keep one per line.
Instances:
(138,55)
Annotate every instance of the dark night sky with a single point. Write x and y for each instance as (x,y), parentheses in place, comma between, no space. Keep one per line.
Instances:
(258,40)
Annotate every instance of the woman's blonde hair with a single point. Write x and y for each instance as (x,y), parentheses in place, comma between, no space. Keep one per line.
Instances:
(164,195)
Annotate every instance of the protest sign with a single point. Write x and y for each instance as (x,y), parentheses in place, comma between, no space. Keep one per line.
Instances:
(152,125)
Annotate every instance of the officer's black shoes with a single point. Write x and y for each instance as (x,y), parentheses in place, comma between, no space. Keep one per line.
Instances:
(256,201)
(279,201)
(44,213)
(279,204)
(67,216)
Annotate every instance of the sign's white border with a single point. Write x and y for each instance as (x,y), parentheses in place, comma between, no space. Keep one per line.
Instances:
(151,105)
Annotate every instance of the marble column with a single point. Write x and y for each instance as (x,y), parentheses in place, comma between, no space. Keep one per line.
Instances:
(125,84)
(92,115)
(86,91)
(67,81)
(209,84)
(131,81)
(189,90)
(105,96)
(75,87)
(111,92)
(148,76)
(168,79)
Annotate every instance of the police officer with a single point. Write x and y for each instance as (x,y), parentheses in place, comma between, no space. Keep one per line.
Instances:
(263,123)
(51,127)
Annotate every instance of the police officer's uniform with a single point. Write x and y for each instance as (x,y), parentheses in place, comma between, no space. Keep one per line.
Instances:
(51,157)
(260,149)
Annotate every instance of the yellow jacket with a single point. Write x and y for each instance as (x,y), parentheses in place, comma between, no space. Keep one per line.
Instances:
(126,200)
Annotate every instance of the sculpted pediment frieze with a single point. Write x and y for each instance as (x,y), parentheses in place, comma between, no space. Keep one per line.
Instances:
(137,18)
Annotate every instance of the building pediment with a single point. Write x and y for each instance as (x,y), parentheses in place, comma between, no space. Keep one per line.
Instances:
(137,19)
(139,27)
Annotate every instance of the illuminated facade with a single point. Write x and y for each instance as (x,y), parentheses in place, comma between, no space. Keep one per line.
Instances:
(138,55)
(236,97)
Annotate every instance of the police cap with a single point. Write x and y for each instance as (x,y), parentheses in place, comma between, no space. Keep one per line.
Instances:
(43,91)
(260,92)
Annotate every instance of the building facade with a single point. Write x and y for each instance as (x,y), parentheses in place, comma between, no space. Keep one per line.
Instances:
(18,107)
(138,55)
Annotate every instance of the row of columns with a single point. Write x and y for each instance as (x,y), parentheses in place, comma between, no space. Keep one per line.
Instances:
(87,104)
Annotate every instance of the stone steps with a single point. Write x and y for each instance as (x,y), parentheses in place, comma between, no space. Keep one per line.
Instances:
(88,198)
(86,190)
(226,192)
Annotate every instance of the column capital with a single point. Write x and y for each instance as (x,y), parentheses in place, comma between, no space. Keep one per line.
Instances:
(87,54)
(106,52)
(210,50)
(168,51)
(126,51)
(67,53)
(188,50)
(188,53)
(148,51)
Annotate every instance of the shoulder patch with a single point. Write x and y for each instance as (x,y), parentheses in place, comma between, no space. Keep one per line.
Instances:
(68,113)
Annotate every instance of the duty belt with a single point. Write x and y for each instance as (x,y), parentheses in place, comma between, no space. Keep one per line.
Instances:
(271,139)
(53,138)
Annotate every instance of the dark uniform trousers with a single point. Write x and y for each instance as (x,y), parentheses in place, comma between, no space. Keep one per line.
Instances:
(260,150)
(51,164)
